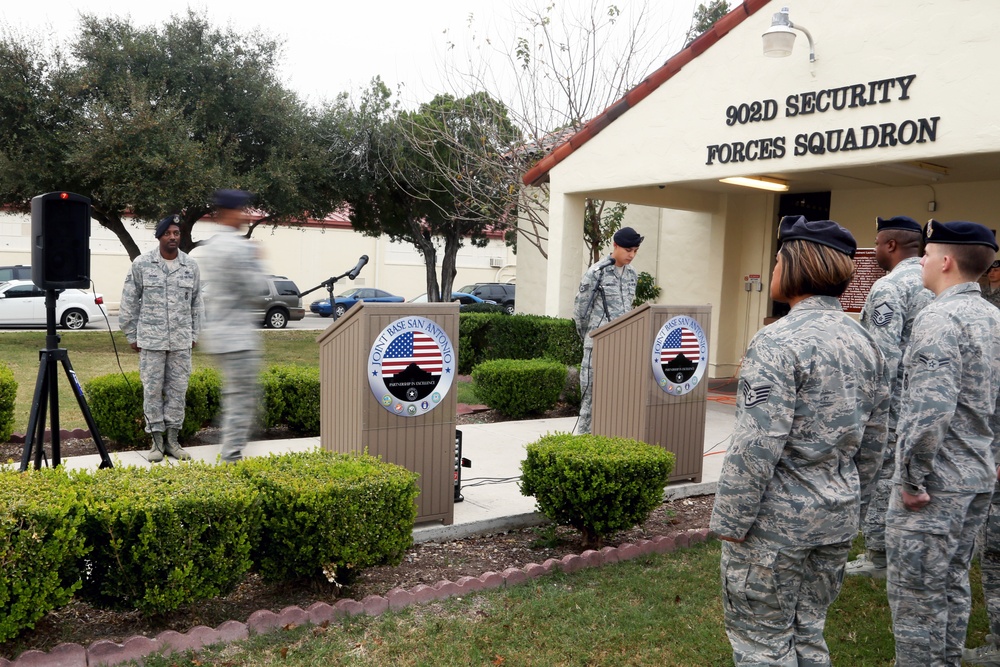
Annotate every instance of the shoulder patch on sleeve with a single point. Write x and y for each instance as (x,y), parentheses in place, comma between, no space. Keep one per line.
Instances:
(755,395)
(882,314)
(931,363)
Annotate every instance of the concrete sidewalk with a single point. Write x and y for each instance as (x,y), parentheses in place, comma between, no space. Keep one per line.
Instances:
(493,501)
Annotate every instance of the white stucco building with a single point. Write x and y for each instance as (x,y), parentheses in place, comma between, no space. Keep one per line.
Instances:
(896,116)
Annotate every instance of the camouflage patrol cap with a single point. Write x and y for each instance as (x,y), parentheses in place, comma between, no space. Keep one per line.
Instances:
(898,222)
(823,232)
(959,232)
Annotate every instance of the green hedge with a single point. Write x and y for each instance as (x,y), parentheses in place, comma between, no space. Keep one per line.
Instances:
(517,387)
(8,393)
(40,539)
(485,336)
(291,397)
(331,513)
(595,484)
(166,536)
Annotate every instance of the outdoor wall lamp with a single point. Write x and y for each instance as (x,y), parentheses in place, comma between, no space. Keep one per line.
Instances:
(780,37)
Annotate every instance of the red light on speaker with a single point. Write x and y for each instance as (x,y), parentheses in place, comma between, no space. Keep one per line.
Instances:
(64,195)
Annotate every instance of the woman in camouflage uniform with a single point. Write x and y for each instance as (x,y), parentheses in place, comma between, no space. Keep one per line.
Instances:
(810,427)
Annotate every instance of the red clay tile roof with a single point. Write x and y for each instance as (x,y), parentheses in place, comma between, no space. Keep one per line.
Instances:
(540,172)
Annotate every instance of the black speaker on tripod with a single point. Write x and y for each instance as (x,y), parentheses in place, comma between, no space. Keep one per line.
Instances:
(60,259)
(60,241)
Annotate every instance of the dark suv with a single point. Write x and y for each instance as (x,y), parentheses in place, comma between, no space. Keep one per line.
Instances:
(19,272)
(279,302)
(502,293)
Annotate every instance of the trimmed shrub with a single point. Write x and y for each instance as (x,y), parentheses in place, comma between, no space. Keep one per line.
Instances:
(331,513)
(484,308)
(473,341)
(115,402)
(203,402)
(518,387)
(40,540)
(291,397)
(165,537)
(8,393)
(597,485)
(486,336)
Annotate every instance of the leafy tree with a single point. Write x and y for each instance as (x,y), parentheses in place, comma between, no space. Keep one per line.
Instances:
(148,121)
(704,18)
(600,224)
(419,176)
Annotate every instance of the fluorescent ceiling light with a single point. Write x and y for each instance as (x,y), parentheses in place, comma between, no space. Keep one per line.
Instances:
(759,182)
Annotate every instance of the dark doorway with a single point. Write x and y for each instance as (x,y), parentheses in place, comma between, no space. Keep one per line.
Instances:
(812,205)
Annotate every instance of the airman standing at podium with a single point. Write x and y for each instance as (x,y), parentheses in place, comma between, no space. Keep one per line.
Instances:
(607,292)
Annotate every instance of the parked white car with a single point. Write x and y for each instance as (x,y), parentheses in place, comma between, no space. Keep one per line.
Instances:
(23,303)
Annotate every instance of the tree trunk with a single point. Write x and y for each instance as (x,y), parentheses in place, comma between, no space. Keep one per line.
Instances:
(113,221)
(425,244)
(188,220)
(448,271)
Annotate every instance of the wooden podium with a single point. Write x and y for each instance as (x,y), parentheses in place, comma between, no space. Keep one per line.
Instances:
(411,422)
(665,407)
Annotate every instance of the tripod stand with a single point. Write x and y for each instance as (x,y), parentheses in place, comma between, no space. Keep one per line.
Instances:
(45,388)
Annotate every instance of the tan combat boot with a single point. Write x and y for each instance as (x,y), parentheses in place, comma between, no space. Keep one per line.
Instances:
(174,448)
(155,454)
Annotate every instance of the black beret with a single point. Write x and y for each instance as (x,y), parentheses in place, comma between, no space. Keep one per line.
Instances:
(231,198)
(823,232)
(898,222)
(162,225)
(626,237)
(959,233)
(995,264)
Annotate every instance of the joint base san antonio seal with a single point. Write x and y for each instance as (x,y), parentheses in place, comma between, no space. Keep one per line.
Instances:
(680,355)
(411,366)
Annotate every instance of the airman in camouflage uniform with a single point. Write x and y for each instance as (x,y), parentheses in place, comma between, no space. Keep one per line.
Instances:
(607,291)
(806,449)
(160,315)
(991,290)
(888,313)
(948,434)
(233,275)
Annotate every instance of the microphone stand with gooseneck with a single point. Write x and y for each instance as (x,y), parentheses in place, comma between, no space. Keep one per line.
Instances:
(330,282)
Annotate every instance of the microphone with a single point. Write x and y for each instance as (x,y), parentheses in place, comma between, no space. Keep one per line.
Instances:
(357,269)
(605,263)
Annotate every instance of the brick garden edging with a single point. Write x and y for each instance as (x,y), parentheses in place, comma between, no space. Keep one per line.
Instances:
(104,652)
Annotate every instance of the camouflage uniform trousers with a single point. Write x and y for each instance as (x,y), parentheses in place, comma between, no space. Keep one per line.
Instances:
(873,518)
(929,552)
(586,389)
(165,376)
(239,400)
(775,600)
(989,561)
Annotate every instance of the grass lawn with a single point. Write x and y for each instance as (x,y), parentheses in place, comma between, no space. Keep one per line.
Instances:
(656,610)
(93,354)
